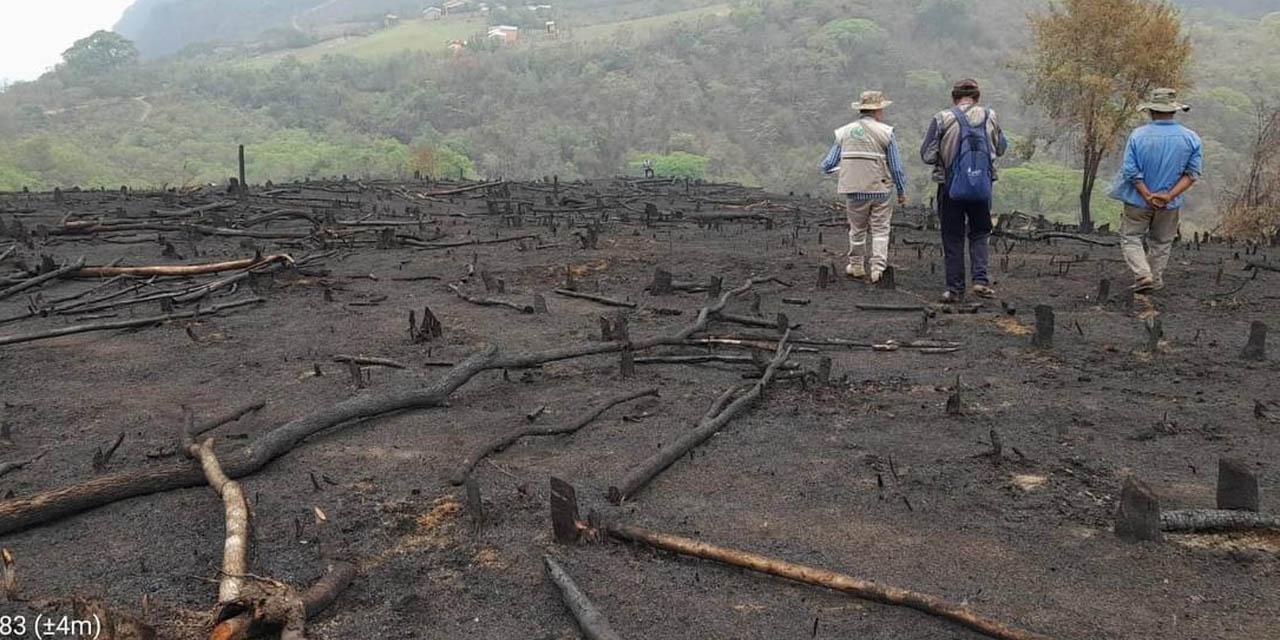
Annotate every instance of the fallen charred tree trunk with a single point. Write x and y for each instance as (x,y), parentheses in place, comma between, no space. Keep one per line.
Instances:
(182,269)
(41,279)
(1201,520)
(593,623)
(491,302)
(595,298)
(713,422)
(503,441)
(235,550)
(857,587)
(123,324)
(568,529)
(21,513)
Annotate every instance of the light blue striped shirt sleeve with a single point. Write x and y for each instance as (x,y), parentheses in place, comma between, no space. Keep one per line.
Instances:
(895,166)
(832,160)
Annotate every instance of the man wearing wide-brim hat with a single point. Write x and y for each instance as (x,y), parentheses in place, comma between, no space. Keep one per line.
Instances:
(1161,161)
(869,165)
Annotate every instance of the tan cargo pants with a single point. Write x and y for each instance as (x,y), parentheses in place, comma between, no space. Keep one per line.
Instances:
(869,220)
(1158,228)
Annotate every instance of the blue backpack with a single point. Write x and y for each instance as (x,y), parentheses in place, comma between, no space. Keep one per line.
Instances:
(969,176)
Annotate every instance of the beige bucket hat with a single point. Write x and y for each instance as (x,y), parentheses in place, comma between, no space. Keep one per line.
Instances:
(1163,100)
(871,101)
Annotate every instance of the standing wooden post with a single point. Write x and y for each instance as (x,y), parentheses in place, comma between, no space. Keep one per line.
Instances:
(1138,516)
(1237,486)
(1043,336)
(1256,349)
(244,186)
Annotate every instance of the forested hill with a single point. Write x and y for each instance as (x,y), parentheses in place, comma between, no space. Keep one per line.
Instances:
(748,92)
(162,27)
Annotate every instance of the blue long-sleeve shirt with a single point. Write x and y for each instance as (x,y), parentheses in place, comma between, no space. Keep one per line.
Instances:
(832,161)
(1158,155)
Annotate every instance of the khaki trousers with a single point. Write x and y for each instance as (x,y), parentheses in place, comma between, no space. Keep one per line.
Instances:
(1158,228)
(869,220)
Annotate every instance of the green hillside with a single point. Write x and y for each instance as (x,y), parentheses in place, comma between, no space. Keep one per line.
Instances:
(748,92)
(411,35)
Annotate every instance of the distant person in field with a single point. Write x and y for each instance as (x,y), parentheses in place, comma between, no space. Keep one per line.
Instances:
(962,144)
(1161,161)
(869,165)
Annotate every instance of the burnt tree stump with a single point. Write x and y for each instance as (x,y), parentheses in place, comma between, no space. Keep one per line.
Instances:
(627,364)
(1138,516)
(1237,486)
(539,303)
(1043,337)
(1155,333)
(886,280)
(824,370)
(564,511)
(1256,349)
(475,505)
(613,328)
(824,276)
(429,330)
(661,285)
(1104,291)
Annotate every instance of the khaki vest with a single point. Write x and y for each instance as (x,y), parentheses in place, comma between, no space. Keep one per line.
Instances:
(864,160)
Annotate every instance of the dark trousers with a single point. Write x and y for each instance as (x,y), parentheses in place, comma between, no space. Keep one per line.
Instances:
(953,217)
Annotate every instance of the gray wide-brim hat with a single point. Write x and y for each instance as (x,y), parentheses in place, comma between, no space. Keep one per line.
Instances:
(1163,100)
(871,101)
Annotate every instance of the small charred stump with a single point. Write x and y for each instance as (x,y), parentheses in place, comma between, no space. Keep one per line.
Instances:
(1256,348)
(824,276)
(1104,291)
(613,328)
(429,330)
(1043,337)
(626,364)
(886,280)
(1138,516)
(1155,333)
(824,370)
(1237,486)
(661,285)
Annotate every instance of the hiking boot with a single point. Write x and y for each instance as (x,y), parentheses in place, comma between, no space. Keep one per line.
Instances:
(951,297)
(856,270)
(983,291)
(876,274)
(1145,284)
(1158,285)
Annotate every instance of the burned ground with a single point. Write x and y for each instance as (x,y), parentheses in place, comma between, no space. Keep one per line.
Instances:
(868,475)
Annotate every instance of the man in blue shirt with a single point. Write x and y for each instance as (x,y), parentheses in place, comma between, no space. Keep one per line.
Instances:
(866,156)
(1161,161)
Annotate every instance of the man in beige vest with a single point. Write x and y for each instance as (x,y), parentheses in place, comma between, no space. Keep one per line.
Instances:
(869,165)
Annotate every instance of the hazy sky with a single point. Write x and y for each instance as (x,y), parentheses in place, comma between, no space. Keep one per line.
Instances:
(34,33)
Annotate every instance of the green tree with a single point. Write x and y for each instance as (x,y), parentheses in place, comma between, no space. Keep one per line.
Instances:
(851,35)
(1093,62)
(678,165)
(98,54)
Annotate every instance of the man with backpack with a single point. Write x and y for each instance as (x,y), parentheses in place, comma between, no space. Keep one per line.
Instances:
(1161,161)
(867,158)
(962,144)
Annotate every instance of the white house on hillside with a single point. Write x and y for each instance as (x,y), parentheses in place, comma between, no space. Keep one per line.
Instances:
(505,33)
